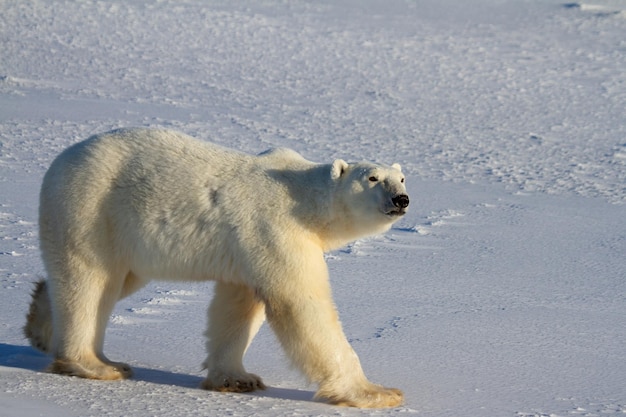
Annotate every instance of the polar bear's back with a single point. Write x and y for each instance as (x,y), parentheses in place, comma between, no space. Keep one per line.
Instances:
(158,146)
(102,165)
(124,155)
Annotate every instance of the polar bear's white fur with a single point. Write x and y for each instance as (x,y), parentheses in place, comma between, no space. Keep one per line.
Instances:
(128,206)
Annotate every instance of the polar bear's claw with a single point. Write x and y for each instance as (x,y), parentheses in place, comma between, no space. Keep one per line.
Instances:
(234,383)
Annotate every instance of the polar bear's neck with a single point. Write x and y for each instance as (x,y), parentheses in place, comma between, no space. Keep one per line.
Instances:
(341,230)
(315,204)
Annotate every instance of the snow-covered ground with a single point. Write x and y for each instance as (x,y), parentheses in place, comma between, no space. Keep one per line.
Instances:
(501,293)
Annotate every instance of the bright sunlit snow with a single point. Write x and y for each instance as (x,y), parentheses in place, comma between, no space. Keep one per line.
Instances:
(501,293)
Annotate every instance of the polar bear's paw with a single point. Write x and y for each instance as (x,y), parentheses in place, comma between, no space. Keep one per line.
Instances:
(97,370)
(372,396)
(233,382)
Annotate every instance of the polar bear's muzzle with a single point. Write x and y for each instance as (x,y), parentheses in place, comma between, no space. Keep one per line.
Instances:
(400,203)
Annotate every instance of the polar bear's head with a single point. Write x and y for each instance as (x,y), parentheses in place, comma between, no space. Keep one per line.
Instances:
(370,196)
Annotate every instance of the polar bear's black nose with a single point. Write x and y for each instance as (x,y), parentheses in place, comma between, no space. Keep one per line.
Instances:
(401,201)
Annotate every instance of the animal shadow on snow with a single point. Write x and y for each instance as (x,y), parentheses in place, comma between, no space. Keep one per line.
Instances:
(26,357)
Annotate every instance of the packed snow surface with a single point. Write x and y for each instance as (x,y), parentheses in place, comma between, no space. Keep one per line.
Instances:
(501,293)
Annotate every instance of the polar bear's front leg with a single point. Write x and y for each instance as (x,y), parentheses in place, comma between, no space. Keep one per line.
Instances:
(306,322)
(235,316)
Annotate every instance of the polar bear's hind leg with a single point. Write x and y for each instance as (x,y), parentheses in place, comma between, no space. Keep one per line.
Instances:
(83,297)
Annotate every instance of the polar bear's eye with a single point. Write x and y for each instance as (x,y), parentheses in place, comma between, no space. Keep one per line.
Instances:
(373,178)
(402,180)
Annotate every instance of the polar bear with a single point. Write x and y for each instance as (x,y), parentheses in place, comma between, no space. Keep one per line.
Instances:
(131,205)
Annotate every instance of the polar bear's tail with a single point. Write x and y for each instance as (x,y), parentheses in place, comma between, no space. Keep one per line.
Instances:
(38,328)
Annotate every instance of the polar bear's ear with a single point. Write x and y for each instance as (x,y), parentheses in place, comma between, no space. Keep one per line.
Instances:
(338,168)
(397,166)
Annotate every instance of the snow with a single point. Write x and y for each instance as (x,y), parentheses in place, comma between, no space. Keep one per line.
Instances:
(501,293)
